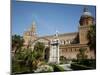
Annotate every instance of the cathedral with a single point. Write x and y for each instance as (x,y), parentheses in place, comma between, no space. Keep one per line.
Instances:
(66,44)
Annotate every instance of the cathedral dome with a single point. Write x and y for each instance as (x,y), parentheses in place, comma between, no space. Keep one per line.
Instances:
(86,18)
(86,14)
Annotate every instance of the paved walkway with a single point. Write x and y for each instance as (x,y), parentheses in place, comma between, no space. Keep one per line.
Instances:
(66,66)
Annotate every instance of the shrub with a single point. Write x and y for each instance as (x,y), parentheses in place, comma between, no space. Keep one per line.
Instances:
(88,62)
(63,60)
(80,67)
(44,68)
(57,68)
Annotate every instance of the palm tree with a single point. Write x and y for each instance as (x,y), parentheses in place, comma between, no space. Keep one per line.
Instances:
(39,48)
(33,58)
(92,38)
(81,55)
(17,42)
(27,58)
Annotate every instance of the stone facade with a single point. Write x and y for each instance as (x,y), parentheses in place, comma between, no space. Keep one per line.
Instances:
(70,43)
(71,51)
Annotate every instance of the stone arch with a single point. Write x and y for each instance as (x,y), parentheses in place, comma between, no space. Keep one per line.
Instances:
(43,40)
(46,50)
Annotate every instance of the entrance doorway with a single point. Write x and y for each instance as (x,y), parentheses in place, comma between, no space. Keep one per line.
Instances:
(47,53)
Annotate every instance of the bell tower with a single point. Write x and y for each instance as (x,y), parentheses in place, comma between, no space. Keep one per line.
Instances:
(86,20)
(30,34)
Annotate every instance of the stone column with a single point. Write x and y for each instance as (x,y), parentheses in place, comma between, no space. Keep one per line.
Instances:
(54,51)
(58,56)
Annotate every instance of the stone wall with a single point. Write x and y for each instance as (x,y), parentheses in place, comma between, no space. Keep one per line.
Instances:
(71,51)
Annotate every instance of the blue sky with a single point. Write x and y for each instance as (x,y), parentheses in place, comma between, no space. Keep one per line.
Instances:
(49,17)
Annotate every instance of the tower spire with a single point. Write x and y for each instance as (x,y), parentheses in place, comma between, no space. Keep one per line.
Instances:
(33,27)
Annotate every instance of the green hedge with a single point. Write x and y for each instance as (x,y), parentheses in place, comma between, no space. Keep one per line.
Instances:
(86,62)
(57,68)
(80,67)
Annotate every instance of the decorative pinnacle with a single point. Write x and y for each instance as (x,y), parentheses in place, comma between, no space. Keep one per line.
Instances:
(56,33)
(85,9)
(33,24)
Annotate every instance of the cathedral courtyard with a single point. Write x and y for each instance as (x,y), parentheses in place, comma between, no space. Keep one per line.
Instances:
(39,50)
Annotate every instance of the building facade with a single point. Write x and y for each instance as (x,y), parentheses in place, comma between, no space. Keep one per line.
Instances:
(69,43)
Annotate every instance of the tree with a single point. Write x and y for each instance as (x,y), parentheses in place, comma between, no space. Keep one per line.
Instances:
(81,55)
(17,42)
(22,61)
(27,59)
(62,59)
(38,53)
(92,38)
(39,48)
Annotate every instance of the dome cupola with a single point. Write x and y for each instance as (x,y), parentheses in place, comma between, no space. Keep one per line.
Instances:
(86,13)
(86,18)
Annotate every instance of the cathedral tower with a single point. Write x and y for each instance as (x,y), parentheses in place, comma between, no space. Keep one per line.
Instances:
(86,20)
(30,34)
